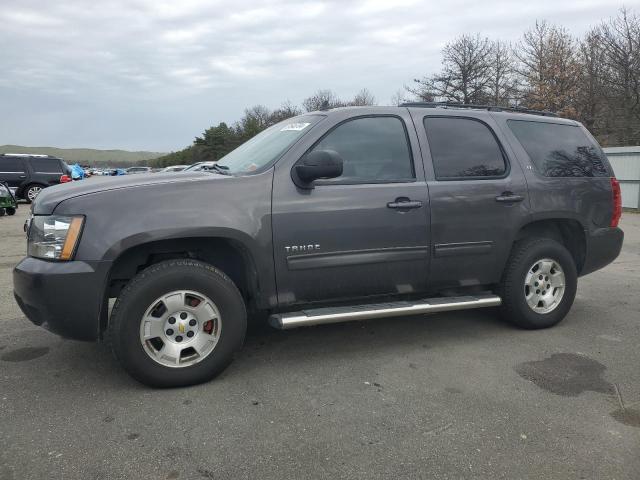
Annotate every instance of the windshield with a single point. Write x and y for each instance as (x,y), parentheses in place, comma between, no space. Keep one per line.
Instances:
(267,146)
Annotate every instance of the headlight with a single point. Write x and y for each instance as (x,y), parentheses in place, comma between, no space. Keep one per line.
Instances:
(53,237)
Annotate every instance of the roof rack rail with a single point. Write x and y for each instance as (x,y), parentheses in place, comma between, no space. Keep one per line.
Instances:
(39,155)
(490,108)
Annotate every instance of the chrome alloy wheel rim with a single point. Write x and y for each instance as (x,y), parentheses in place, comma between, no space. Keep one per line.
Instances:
(180,328)
(544,285)
(33,192)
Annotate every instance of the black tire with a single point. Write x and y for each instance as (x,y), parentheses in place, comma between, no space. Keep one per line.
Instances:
(1,212)
(25,194)
(10,211)
(524,254)
(154,281)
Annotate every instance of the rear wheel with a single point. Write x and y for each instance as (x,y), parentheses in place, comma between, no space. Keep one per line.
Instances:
(32,192)
(539,283)
(179,322)
(10,211)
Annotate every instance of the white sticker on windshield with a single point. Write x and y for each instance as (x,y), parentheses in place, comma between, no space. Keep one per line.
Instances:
(294,127)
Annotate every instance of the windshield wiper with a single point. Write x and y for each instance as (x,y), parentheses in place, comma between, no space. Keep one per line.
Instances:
(223,169)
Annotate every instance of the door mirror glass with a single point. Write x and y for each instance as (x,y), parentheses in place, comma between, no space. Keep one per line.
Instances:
(318,164)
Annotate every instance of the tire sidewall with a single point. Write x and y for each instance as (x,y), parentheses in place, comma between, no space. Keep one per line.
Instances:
(152,284)
(517,303)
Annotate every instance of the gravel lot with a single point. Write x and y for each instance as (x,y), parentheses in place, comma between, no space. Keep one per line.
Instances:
(458,395)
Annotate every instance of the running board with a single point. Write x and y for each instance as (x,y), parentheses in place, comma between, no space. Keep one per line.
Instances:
(319,316)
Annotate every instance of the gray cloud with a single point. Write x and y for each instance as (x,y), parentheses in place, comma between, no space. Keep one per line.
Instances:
(149,74)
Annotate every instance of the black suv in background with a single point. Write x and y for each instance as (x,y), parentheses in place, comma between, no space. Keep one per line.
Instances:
(27,174)
(347,214)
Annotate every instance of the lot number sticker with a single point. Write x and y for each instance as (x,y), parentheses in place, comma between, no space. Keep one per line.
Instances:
(294,127)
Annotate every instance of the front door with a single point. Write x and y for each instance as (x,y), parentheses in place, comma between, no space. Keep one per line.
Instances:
(362,234)
(478,197)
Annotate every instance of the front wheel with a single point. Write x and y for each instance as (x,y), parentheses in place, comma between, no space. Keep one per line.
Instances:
(10,211)
(539,283)
(178,322)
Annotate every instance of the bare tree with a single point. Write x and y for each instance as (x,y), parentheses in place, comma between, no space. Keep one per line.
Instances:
(322,99)
(466,72)
(363,98)
(590,101)
(286,110)
(399,97)
(549,68)
(620,40)
(502,84)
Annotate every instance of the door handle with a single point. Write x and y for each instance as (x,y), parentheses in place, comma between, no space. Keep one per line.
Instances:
(404,203)
(22,176)
(509,197)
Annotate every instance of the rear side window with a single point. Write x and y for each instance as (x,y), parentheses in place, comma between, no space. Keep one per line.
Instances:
(559,150)
(45,165)
(11,165)
(463,148)
(373,149)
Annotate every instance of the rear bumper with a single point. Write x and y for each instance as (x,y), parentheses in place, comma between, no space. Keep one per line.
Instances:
(603,247)
(63,297)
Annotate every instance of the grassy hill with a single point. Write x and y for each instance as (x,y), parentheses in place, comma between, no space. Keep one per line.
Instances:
(87,156)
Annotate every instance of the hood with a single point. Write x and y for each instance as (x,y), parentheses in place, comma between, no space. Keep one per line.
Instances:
(50,197)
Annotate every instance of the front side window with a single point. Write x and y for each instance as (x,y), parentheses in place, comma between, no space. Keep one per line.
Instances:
(45,165)
(373,149)
(462,148)
(559,150)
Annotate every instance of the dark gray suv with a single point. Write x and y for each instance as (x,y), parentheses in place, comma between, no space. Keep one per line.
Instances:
(347,214)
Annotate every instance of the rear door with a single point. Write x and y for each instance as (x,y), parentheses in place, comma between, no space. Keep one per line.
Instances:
(13,171)
(363,234)
(46,171)
(478,196)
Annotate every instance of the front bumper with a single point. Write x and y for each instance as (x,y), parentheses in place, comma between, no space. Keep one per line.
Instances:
(63,297)
(603,247)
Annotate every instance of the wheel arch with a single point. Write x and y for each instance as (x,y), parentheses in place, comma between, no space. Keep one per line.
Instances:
(230,255)
(570,232)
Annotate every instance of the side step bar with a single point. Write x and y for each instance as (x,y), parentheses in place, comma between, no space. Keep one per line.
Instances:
(319,316)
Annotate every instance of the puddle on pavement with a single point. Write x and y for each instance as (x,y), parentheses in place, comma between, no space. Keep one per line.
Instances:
(566,374)
(24,354)
(627,416)
(569,375)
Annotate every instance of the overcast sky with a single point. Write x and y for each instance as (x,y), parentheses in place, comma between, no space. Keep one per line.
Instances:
(152,74)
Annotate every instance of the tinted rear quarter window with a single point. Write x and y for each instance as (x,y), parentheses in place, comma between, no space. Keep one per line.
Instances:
(559,150)
(45,165)
(11,165)
(463,148)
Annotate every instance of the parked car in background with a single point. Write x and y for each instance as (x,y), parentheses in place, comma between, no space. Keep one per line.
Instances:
(132,170)
(27,174)
(174,168)
(199,167)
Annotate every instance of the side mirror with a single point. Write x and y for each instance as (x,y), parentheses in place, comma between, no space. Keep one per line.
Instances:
(318,164)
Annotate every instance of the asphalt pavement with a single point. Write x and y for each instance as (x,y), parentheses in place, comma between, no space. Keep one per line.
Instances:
(447,396)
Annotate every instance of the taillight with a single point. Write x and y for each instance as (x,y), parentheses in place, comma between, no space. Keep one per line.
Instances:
(617,202)
(65,179)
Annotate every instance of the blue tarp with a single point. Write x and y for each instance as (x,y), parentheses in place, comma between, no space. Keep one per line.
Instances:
(77,173)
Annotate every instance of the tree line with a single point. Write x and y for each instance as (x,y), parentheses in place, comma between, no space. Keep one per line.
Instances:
(594,79)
